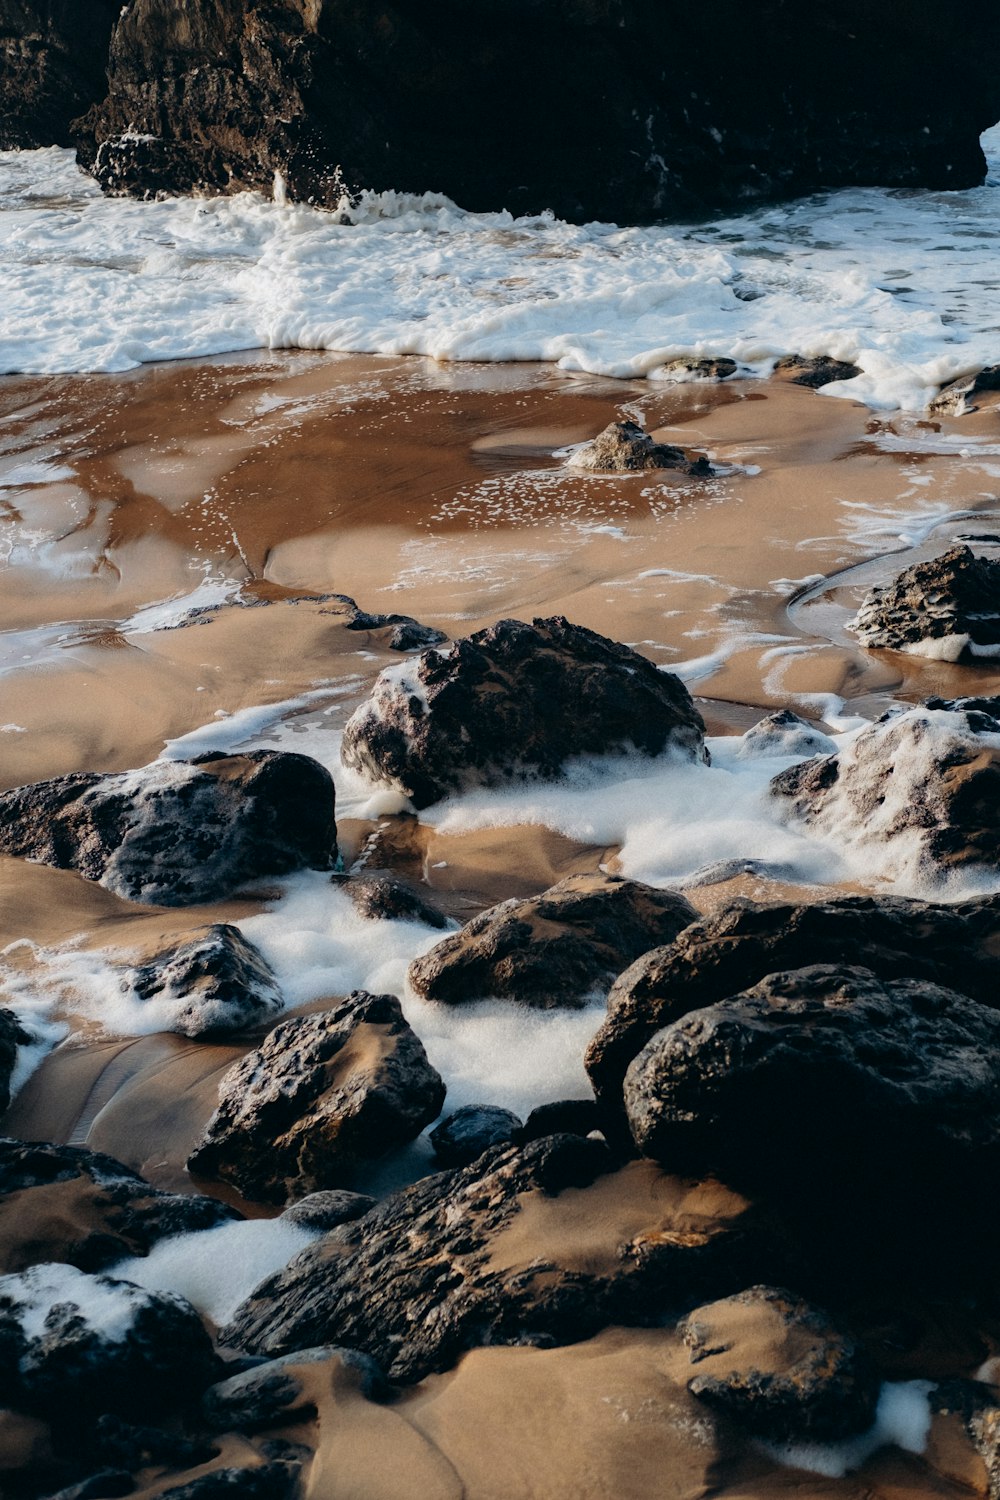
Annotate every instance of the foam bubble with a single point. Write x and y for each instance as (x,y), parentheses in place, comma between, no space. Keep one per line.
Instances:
(902,1419)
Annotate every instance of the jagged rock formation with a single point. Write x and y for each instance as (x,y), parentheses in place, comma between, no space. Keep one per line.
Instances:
(946,608)
(53,57)
(638,111)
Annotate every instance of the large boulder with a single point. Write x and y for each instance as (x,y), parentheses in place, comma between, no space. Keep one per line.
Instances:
(212,982)
(89,1344)
(178,832)
(64,1203)
(780,1367)
(323,1096)
(739,944)
(548,1242)
(515,700)
(559,948)
(828,1084)
(918,789)
(53,60)
(946,608)
(630,122)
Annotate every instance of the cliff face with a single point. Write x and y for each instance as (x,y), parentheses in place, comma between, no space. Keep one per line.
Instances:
(53,55)
(624,109)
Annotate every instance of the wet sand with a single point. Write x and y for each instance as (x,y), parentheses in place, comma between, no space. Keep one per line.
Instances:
(439,492)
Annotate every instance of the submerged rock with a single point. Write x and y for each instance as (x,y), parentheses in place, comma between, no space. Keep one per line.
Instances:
(464,1136)
(816,371)
(779,1367)
(738,945)
(328,1208)
(954,400)
(387,898)
(784,733)
(65,1203)
(543,1243)
(922,784)
(828,1081)
(322,1096)
(944,609)
(516,700)
(218,981)
(178,832)
(697,369)
(12,1036)
(559,948)
(626,448)
(69,1341)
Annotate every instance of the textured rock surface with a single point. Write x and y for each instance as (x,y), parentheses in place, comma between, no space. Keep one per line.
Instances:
(386,897)
(219,980)
(784,733)
(328,1208)
(464,1136)
(320,1097)
(780,1367)
(12,1036)
(178,832)
(513,700)
(737,945)
(922,785)
(827,1075)
(53,55)
(506,1251)
(98,1344)
(628,120)
(555,949)
(626,448)
(64,1203)
(272,1393)
(815,372)
(952,600)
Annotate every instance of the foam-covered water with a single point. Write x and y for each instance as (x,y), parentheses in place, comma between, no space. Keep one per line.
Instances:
(902,1420)
(902,283)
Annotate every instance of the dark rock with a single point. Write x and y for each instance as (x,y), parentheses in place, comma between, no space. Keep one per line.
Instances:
(780,1367)
(815,372)
(388,897)
(697,369)
(738,945)
(220,981)
(178,832)
(922,779)
(110,1444)
(464,1136)
(952,600)
(625,448)
(559,948)
(563,1116)
(827,1081)
(491,1254)
(64,1203)
(12,1036)
(516,700)
(984,713)
(326,1209)
(954,400)
(323,1096)
(77,1344)
(105,1485)
(271,1395)
(405,633)
(269,1481)
(784,733)
(52,67)
(628,123)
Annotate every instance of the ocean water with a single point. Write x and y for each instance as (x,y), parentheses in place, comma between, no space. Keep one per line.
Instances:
(902,283)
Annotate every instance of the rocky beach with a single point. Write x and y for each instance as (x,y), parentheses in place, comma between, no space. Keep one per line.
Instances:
(499,758)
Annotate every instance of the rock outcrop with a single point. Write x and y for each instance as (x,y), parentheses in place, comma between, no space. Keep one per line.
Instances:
(323,1095)
(779,1367)
(919,788)
(53,57)
(945,609)
(515,700)
(629,123)
(506,1251)
(626,448)
(91,1344)
(828,1082)
(64,1203)
(178,832)
(559,948)
(211,983)
(738,945)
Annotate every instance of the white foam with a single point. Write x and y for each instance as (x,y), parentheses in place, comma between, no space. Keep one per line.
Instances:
(938,648)
(903,284)
(108,1306)
(902,1420)
(217,1269)
(210,593)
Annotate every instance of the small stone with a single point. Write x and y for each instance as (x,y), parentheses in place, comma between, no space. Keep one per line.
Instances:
(464,1136)
(218,981)
(329,1208)
(626,448)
